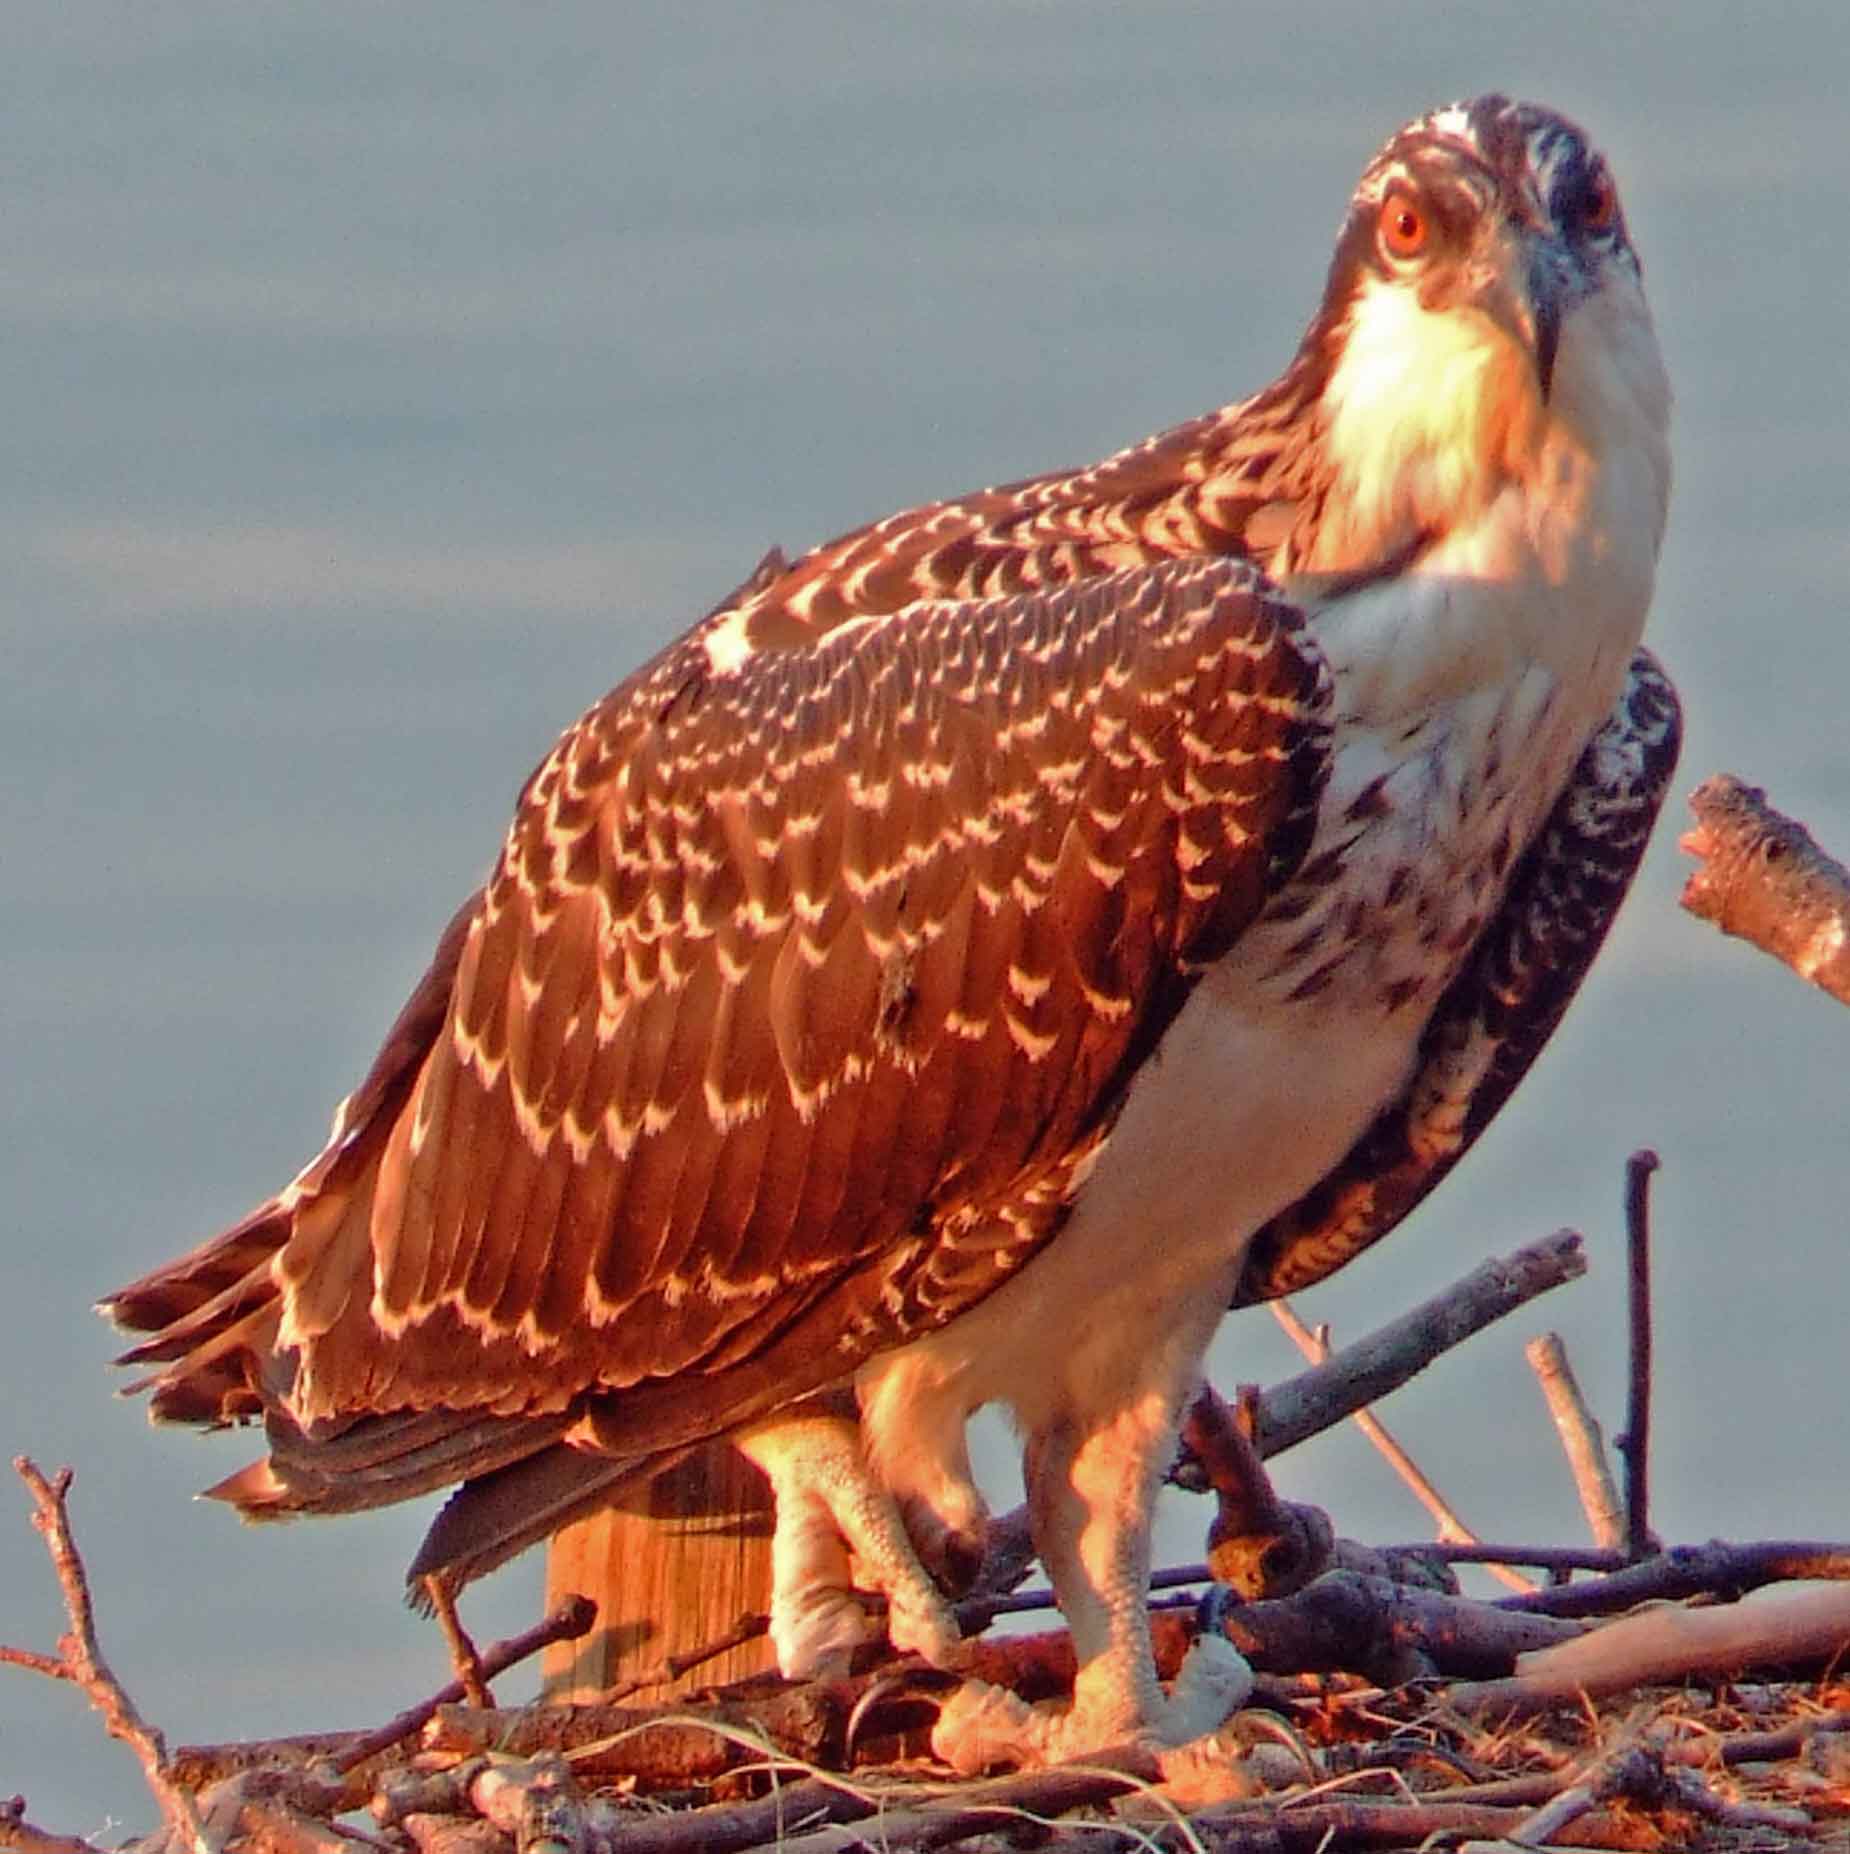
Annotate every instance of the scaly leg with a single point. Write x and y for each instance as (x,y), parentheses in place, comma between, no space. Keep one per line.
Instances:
(829,1504)
(915,1427)
(1091,1488)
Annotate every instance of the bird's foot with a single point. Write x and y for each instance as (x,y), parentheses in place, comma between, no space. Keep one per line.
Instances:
(983,1727)
(840,1532)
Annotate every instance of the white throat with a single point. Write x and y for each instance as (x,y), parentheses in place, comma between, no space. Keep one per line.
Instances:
(1543,519)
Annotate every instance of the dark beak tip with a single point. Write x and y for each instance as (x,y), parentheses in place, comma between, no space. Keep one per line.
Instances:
(1545,368)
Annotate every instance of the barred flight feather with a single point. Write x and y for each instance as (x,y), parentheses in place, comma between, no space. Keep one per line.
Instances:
(816,989)
(679,1043)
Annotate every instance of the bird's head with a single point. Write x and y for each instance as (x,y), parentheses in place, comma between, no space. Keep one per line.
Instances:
(1483,291)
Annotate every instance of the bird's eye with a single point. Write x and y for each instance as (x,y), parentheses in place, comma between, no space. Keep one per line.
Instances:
(1404,227)
(1599,207)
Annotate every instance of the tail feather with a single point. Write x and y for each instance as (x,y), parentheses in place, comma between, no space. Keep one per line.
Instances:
(227,1285)
(177,1336)
(214,1383)
(180,1290)
(379,1460)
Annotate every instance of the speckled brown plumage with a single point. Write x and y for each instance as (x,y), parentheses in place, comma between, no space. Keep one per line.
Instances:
(814,980)
(1117,853)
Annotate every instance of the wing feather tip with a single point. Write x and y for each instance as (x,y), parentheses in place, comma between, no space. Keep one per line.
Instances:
(256,1490)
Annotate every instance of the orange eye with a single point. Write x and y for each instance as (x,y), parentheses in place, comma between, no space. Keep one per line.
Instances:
(1600,210)
(1404,230)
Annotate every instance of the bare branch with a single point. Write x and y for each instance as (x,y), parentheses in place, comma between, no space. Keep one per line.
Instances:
(28,1838)
(1580,1439)
(570,1620)
(1541,1557)
(1760,1747)
(35,1663)
(1311,1827)
(727,1828)
(672,1667)
(1766,881)
(1384,1360)
(1802,1626)
(463,1656)
(1453,1530)
(82,1655)
(1715,1569)
(1635,1444)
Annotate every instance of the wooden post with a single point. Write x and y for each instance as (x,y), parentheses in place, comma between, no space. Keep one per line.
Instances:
(672,1569)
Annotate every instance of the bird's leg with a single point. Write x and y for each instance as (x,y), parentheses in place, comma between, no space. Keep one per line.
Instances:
(830,1505)
(1091,1487)
(916,1430)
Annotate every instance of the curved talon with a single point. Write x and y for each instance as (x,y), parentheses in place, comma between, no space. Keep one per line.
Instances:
(876,1690)
(1259,1724)
(892,1682)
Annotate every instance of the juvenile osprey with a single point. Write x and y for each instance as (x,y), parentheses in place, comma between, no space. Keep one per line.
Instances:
(982,950)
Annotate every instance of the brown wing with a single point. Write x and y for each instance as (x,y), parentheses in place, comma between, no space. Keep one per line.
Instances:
(1492,1022)
(797,994)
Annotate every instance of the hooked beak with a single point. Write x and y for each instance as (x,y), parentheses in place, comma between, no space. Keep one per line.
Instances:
(1529,291)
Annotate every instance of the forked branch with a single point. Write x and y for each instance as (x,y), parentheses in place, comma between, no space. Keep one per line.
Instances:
(80,1658)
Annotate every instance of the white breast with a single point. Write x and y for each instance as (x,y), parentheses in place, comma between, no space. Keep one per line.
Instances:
(1466,689)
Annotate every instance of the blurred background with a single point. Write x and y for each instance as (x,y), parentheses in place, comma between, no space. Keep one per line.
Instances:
(381,384)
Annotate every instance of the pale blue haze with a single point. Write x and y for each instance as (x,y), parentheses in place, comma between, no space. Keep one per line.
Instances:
(378,384)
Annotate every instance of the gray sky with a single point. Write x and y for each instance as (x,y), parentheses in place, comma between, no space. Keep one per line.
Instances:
(380,384)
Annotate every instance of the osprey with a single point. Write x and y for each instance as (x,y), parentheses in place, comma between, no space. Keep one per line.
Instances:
(986,948)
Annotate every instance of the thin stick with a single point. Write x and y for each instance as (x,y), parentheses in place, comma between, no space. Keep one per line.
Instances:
(83,1656)
(35,1663)
(463,1656)
(1759,1747)
(1369,1368)
(570,1620)
(1316,1347)
(671,1667)
(27,1837)
(1580,1439)
(1540,1557)
(1715,1569)
(1635,1444)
